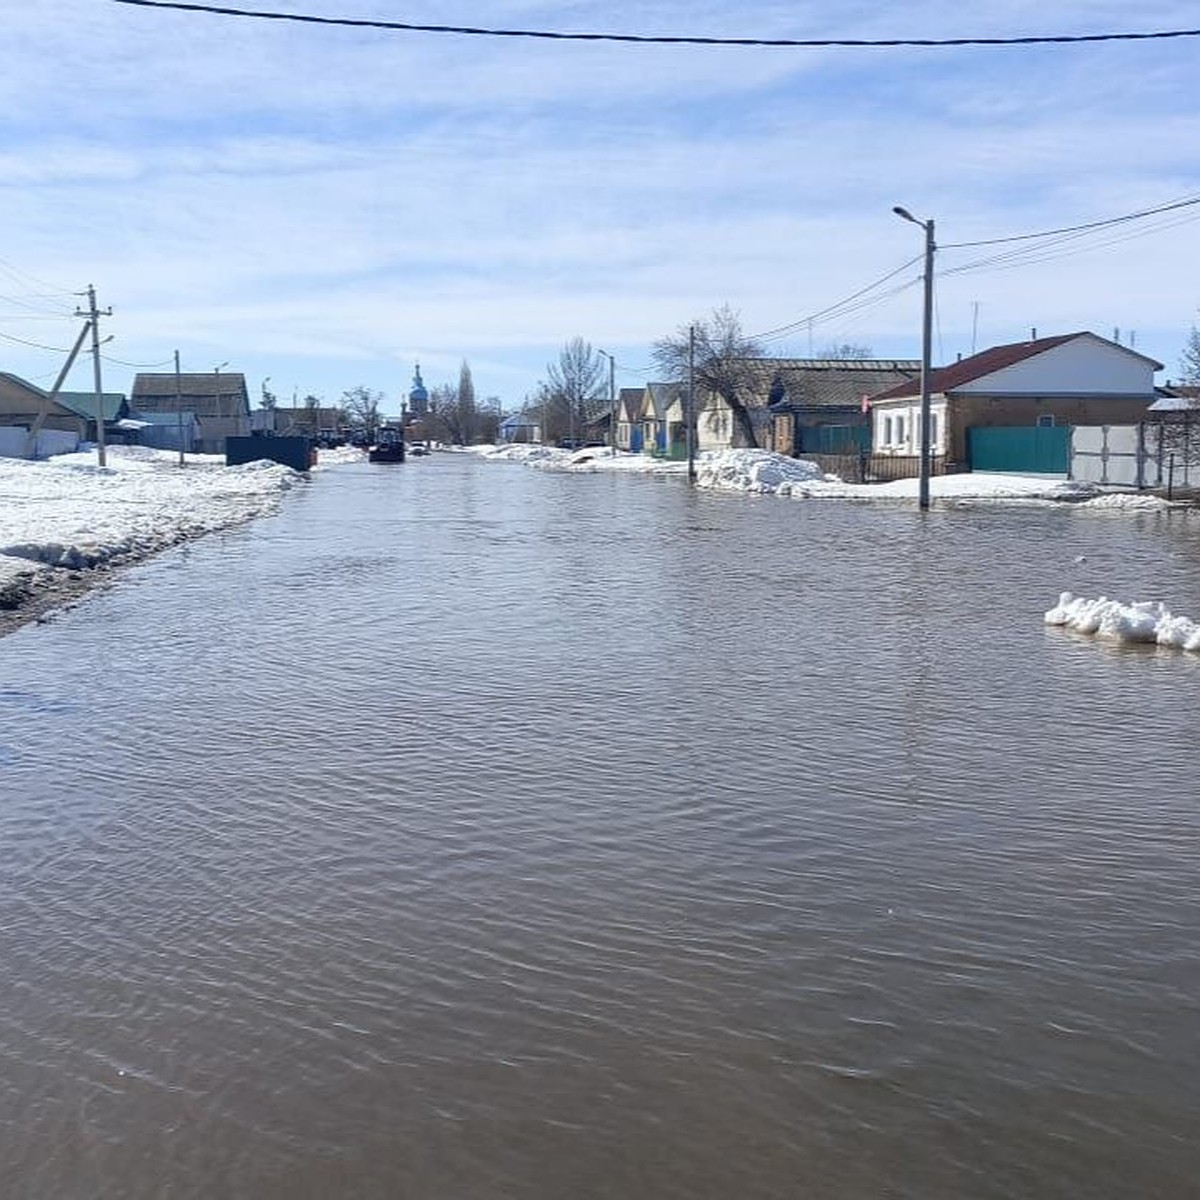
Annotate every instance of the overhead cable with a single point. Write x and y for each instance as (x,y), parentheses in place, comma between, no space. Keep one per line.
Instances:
(664,39)
(1186,202)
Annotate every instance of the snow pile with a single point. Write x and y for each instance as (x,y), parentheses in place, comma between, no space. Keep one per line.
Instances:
(601,458)
(1130,502)
(1147,621)
(521,452)
(337,455)
(757,471)
(70,512)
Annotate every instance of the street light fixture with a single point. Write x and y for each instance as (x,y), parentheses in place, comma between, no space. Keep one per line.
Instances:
(926,350)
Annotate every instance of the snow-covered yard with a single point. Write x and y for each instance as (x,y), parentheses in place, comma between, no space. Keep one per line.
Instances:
(68,512)
(763,472)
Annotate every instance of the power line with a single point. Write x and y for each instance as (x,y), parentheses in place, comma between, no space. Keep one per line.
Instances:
(139,366)
(1026,237)
(835,310)
(8,337)
(665,39)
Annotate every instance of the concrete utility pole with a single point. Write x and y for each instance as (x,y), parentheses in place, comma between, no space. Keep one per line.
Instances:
(691,405)
(220,413)
(179,406)
(612,400)
(44,406)
(93,315)
(926,351)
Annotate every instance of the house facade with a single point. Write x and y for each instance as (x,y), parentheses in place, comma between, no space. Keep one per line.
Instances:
(1072,379)
(26,407)
(630,408)
(218,400)
(821,406)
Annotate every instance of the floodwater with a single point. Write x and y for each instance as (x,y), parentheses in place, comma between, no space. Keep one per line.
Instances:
(469,831)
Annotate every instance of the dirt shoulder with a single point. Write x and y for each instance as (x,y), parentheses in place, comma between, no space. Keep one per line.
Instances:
(41,595)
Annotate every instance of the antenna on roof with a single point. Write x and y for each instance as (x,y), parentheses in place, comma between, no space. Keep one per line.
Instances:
(974,325)
(1117,334)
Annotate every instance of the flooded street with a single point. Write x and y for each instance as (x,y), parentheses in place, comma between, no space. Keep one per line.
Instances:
(469,831)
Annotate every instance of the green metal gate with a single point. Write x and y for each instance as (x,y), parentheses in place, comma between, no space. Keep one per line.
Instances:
(1024,450)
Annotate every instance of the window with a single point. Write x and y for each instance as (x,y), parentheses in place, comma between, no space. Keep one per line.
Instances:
(1046,421)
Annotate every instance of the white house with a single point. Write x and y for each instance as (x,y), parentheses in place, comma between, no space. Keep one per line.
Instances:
(1071,379)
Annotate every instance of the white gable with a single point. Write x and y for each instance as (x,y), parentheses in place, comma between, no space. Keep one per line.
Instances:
(1086,365)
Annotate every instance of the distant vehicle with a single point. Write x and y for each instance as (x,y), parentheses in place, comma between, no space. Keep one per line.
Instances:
(388,447)
(418,450)
(576,444)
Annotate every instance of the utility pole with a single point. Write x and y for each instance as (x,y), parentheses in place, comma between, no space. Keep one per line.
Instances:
(691,405)
(44,407)
(179,406)
(926,352)
(93,315)
(612,400)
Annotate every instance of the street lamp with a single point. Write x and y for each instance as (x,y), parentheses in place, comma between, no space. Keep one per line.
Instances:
(926,349)
(612,400)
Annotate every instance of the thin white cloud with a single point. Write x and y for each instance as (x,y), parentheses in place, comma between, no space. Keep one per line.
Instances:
(341,201)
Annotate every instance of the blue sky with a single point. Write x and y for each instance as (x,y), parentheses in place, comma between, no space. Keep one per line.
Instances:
(324,206)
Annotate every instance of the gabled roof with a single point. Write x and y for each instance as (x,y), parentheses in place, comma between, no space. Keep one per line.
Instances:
(837,383)
(83,404)
(661,396)
(196,392)
(23,383)
(987,362)
(629,402)
(199,383)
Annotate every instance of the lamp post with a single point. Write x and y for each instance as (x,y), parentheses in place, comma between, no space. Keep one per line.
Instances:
(612,400)
(926,350)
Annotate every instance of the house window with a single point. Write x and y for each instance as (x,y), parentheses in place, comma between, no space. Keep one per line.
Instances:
(933,430)
(1046,421)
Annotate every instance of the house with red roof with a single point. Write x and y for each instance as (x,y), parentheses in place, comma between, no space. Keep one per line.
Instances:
(1068,380)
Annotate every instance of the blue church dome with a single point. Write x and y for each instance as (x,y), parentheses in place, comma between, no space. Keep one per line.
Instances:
(419,395)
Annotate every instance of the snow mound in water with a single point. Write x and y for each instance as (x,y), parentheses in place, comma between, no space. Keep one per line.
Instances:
(1144,621)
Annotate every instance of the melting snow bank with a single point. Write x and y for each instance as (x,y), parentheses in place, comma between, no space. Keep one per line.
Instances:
(1147,621)
(66,515)
(760,471)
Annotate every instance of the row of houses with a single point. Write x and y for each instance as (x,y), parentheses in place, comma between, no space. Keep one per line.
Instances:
(855,408)
(193,412)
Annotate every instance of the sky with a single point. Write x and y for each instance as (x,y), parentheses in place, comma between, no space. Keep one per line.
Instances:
(323,207)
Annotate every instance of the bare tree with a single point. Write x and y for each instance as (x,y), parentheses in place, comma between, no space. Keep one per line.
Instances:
(575,385)
(725,363)
(442,419)
(851,351)
(1189,360)
(362,406)
(489,420)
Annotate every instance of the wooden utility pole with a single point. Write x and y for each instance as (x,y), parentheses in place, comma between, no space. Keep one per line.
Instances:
(94,314)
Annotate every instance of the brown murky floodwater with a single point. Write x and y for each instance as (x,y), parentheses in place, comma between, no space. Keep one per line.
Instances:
(467,831)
